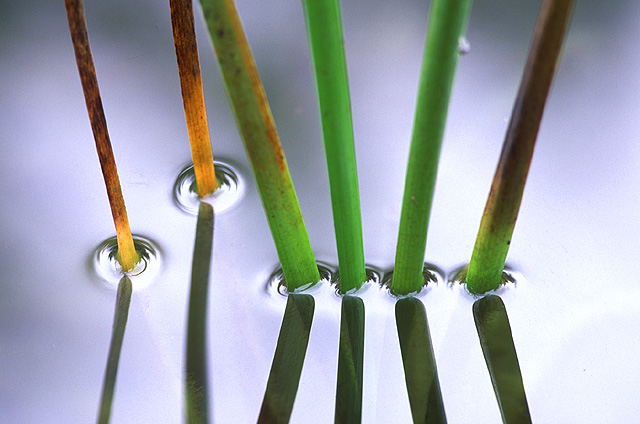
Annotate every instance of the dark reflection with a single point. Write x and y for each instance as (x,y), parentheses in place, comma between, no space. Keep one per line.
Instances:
(123,300)
(196,364)
(288,359)
(499,352)
(419,362)
(350,362)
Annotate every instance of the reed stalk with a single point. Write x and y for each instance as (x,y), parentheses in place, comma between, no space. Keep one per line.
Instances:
(501,211)
(447,23)
(127,255)
(324,29)
(261,142)
(184,39)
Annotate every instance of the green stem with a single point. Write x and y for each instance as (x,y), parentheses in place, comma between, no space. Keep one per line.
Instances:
(324,29)
(196,361)
(350,362)
(447,22)
(288,359)
(123,300)
(261,142)
(501,211)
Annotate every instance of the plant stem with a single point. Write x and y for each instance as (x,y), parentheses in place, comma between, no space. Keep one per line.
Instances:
(447,22)
(127,255)
(123,300)
(501,211)
(261,143)
(418,360)
(288,359)
(350,362)
(184,38)
(196,363)
(324,29)
(499,352)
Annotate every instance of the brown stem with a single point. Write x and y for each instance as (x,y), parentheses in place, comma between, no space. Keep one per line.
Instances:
(501,210)
(184,38)
(127,254)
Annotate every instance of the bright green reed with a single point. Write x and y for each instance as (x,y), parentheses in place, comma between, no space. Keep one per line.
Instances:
(324,28)
(447,23)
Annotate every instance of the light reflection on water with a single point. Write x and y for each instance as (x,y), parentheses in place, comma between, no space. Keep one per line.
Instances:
(55,324)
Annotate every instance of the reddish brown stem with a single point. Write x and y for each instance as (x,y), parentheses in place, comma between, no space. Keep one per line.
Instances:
(127,254)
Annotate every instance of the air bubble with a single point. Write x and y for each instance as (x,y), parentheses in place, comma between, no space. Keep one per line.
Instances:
(464,46)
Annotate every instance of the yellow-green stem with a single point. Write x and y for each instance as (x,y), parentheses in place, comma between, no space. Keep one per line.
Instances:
(261,142)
